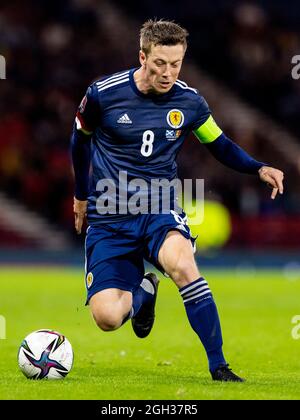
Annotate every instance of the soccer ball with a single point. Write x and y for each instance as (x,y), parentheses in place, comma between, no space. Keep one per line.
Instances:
(45,354)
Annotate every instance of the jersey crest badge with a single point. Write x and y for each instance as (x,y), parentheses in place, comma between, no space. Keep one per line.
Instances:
(175,118)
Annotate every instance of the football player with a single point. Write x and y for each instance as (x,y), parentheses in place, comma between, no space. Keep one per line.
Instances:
(131,126)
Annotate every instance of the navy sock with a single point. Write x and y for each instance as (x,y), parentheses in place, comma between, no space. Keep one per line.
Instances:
(143,294)
(204,319)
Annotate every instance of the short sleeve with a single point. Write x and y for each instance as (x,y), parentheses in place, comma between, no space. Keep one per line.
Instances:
(88,113)
(203,112)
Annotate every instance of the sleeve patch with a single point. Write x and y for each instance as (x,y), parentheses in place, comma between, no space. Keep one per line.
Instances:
(82,104)
(80,125)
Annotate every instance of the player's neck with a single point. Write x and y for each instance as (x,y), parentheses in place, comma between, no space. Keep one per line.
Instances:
(143,85)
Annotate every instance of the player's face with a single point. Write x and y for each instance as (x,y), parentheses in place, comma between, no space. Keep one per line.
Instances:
(162,66)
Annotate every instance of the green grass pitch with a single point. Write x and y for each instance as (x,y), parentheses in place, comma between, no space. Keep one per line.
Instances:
(256,312)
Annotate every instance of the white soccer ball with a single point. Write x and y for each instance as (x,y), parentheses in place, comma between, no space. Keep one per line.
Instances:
(45,354)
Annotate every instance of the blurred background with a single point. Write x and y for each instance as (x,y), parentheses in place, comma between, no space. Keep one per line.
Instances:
(239,57)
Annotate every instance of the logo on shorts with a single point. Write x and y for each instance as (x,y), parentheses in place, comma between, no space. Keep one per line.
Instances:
(89,280)
(181,227)
(175,118)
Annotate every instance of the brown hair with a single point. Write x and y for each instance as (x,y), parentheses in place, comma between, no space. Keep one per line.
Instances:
(161,32)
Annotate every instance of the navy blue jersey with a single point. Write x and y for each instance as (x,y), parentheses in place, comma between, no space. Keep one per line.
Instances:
(134,137)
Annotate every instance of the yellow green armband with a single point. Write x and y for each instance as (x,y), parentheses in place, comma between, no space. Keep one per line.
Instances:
(208,132)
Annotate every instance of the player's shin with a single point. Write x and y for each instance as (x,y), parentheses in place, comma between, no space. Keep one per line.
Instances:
(204,319)
(141,295)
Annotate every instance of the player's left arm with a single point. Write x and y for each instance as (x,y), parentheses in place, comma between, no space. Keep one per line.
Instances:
(233,156)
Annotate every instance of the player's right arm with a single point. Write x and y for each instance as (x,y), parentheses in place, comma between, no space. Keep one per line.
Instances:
(85,123)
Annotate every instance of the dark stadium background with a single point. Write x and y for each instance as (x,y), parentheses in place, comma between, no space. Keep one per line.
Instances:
(239,58)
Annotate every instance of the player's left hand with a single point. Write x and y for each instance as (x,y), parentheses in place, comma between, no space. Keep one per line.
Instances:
(273,177)
(79,209)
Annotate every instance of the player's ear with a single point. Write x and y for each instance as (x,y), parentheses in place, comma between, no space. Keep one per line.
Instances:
(142,57)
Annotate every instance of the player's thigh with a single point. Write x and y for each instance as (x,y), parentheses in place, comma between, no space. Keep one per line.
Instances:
(110,306)
(176,256)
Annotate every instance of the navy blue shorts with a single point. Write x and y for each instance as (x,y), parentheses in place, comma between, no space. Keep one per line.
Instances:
(115,252)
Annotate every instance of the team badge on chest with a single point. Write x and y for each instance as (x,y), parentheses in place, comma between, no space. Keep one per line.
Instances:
(175,118)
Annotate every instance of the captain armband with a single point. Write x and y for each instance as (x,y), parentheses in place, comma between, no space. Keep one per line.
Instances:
(208,132)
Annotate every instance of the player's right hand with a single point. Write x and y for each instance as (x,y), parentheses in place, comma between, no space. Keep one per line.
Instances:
(79,209)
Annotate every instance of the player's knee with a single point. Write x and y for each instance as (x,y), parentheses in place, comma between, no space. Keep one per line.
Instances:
(184,272)
(107,322)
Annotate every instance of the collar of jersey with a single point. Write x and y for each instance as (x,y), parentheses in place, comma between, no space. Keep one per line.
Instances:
(147,95)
